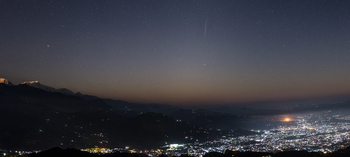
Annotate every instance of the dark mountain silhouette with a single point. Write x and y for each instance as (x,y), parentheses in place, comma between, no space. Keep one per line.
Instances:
(209,119)
(33,118)
(57,101)
(138,108)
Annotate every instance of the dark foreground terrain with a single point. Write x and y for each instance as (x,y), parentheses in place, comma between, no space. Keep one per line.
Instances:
(29,116)
(58,152)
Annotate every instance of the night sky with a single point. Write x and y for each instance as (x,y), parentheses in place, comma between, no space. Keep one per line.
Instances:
(180,52)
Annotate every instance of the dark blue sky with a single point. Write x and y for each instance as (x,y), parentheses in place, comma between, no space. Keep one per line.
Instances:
(180,52)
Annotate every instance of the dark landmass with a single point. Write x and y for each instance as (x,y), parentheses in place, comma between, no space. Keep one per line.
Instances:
(58,152)
(217,120)
(32,118)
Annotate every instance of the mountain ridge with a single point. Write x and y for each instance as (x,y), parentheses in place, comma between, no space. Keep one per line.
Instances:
(37,84)
(5,81)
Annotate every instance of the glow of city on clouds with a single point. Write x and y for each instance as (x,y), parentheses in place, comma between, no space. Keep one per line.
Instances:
(286,119)
(180,53)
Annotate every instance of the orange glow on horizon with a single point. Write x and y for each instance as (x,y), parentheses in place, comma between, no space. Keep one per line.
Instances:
(287,119)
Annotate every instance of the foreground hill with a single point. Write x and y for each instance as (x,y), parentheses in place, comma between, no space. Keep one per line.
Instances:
(58,152)
(34,118)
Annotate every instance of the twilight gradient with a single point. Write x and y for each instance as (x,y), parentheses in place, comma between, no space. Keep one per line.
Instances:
(180,52)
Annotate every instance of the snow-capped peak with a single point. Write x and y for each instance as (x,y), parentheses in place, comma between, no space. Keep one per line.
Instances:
(36,84)
(5,81)
(31,82)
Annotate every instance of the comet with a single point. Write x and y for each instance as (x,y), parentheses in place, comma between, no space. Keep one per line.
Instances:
(205,25)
